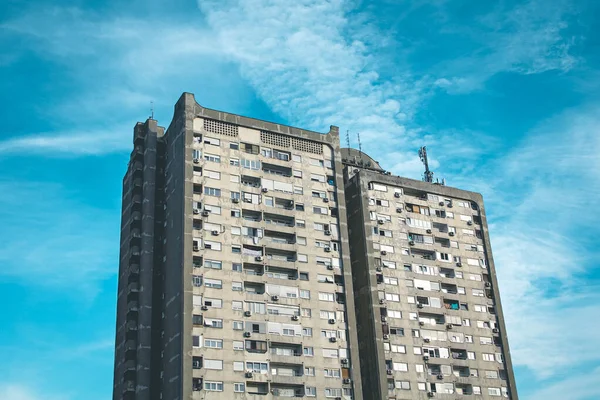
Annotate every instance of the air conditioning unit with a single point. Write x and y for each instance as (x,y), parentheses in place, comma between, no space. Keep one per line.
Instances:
(469,222)
(264,190)
(430,394)
(426,340)
(381,301)
(496,330)
(248,374)
(204,308)
(411,242)
(196,161)
(346,381)
(327,249)
(215,233)
(378,269)
(386,336)
(247,334)
(397,195)
(325,200)
(196,211)
(330,267)
(440,376)
(275,298)
(196,248)
(450,205)
(247,314)
(344,361)
(449,326)
(450,233)
(332,339)
(389,372)
(398,210)
(421,323)
(380,221)
(235,200)
(488,284)
(419,305)
(383,319)
(205,213)
(258,258)
(327,233)
(428,231)
(295,318)
(425,358)
(459,264)
(383,253)
(442,203)
(332,321)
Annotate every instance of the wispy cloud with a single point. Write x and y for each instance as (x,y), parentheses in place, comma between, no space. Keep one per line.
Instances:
(53,241)
(12,391)
(81,143)
(528,38)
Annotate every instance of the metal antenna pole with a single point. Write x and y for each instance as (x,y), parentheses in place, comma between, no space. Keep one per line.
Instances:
(428,175)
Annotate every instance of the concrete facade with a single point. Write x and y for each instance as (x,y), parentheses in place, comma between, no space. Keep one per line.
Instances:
(253,270)
(249,269)
(426,294)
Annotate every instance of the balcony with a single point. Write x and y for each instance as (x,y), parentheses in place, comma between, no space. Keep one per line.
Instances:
(280,168)
(283,390)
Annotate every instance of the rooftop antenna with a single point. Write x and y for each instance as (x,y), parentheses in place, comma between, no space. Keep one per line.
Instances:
(428,175)
(348,138)
(152,110)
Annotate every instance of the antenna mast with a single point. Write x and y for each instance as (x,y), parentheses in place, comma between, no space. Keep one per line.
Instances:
(428,175)
(348,138)
(152,110)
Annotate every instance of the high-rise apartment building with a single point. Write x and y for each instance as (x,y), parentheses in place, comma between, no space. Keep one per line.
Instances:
(236,278)
(426,294)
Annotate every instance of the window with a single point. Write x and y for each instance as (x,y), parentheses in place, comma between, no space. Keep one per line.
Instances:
(237,286)
(213,364)
(236,249)
(309,351)
(487,357)
(213,209)
(309,371)
(237,267)
(494,392)
(304,294)
(196,341)
(213,386)
(239,387)
(404,385)
(234,162)
(329,392)
(478,292)
(237,305)
(213,343)
(306,312)
(197,280)
(212,191)
(212,158)
(238,325)
(303,276)
(310,391)
(258,367)
(332,373)
(212,174)
(306,331)
(323,296)
(213,283)
(238,345)
(317,178)
(491,374)
(235,213)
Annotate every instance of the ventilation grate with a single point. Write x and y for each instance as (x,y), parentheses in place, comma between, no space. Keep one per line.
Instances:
(275,139)
(307,145)
(222,128)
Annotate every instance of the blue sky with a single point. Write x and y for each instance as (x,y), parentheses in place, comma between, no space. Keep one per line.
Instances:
(505,94)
